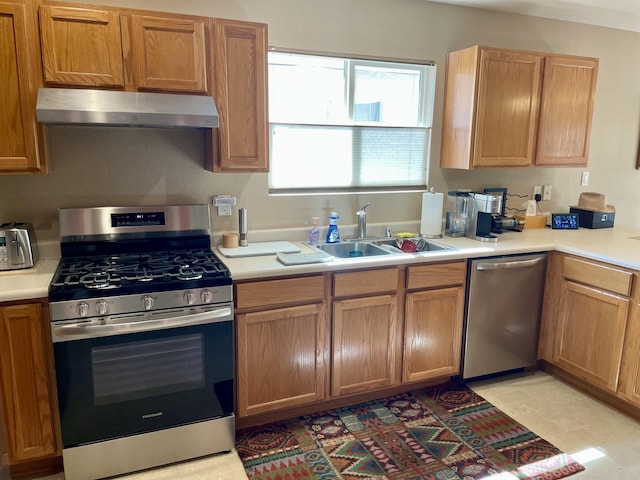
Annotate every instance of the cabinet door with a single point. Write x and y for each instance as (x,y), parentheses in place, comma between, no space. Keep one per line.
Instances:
(81,46)
(630,376)
(507,108)
(433,334)
(364,344)
(18,88)
(169,54)
(280,358)
(566,109)
(590,333)
(240,69)
(24,372)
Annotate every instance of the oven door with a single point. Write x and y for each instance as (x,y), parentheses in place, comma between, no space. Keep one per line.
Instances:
(119,376)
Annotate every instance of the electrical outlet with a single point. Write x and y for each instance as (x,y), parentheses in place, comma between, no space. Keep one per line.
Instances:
(546,192)
(584,181)
(537,190)
(224,204)
(224,210)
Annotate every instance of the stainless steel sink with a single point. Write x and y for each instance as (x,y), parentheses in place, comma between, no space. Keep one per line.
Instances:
(353,249)
(425,246)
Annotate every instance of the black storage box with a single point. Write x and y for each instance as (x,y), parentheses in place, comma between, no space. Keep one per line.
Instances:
(591,219)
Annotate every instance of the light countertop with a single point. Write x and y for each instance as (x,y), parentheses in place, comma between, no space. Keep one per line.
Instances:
(611,245)
(29,282)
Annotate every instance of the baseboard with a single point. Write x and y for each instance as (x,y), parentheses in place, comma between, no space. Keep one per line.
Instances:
(343,401)
(604,396)
(36,468)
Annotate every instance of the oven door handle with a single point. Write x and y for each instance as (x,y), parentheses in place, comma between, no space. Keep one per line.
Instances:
(88,330)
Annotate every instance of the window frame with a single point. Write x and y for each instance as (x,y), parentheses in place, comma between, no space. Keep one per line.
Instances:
(425,118)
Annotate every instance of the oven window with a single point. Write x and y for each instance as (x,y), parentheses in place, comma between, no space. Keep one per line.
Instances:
(147,368)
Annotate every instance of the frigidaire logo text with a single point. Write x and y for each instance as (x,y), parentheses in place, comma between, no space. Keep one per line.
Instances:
(152,415)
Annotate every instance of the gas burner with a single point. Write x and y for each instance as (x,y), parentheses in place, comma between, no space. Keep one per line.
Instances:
(95,280)
(190,273)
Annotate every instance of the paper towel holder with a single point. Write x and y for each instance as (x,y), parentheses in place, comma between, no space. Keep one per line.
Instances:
(431,215)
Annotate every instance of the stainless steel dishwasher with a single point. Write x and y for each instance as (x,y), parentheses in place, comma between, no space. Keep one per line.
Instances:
(503,313)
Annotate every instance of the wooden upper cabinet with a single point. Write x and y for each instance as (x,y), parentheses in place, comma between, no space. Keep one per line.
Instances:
(566,109)
(169,54)
(20,150)
(507,108)
(240,92)
(81,46)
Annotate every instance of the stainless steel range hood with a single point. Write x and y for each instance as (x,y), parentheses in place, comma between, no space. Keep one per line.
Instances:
(109,108)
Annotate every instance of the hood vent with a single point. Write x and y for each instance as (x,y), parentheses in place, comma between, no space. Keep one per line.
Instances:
(135,109)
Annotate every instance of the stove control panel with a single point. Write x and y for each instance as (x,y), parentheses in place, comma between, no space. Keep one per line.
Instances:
(100,307)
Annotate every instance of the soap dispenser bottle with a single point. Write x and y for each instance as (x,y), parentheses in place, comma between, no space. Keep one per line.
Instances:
(333,235)
(314,232)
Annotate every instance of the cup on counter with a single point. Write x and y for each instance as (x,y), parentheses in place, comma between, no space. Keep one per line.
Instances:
(230,240)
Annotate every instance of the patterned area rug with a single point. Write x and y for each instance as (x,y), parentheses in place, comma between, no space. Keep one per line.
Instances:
(440,433)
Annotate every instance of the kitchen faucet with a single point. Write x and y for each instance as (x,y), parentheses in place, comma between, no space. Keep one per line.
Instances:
(362,222)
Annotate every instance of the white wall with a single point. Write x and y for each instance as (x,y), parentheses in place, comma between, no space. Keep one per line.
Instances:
(114,166)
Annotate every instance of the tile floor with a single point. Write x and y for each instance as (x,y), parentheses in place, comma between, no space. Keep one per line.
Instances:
(575,423)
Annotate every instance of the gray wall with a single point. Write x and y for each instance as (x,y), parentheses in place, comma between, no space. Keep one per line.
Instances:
(115,166)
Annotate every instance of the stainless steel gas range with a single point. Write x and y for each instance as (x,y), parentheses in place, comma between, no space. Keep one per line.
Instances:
(142,325)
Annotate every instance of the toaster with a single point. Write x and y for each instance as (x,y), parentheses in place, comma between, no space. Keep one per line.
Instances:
(18,247)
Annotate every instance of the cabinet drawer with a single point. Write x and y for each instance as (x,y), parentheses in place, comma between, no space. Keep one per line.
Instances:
(280,292)
(436,275)
(600,276)
(365,282)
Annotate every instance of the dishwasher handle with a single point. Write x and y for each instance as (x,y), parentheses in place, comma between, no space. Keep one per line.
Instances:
(509,264)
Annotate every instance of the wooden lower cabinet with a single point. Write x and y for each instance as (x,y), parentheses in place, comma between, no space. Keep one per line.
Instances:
(630,370)
(364,351)
(311,341)
(585,321)
(280,358)
(28,403)
(433,333)
(590,334)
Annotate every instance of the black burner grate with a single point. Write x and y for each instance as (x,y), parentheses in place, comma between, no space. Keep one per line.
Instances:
(118,274)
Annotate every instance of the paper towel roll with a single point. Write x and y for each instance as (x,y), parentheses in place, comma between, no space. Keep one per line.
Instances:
(431,219)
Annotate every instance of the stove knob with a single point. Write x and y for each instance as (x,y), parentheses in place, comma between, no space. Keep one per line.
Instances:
(189,298)
(206,296)
(147,302)
(102,307)
(83,309)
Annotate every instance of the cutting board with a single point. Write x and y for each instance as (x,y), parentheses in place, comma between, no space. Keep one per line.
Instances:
(259,248)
